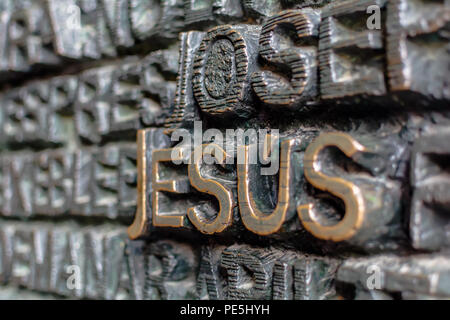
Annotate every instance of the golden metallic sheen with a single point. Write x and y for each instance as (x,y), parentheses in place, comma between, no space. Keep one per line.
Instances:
(175,186)
(253,219)
(138,227)
(345,190)
(213,187)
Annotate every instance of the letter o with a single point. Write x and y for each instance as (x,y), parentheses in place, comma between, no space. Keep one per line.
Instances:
(221,68)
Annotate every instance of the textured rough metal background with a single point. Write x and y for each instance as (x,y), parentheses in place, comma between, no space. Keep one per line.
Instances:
(79,78)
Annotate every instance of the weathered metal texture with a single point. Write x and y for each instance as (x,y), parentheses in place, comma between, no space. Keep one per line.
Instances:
(92,205)
(341,74)
(185,111)
(88,182)
(223,64)
(272,88)
(429,221)
(62,118)
(27,37)
(53,33)
(424,35)
(414,277)
(112,267)
(375,174)
(108,103)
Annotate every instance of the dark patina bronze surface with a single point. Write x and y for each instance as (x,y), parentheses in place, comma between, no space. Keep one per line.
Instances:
(93,207)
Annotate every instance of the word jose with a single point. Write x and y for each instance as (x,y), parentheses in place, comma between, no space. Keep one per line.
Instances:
(302,58)
(211,180)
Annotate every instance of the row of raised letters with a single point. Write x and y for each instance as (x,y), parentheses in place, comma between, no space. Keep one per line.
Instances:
(369,192)
(89,181)
(103,104)
(355,192)
(336,41)
(313,55)
(44,32)
(99,263)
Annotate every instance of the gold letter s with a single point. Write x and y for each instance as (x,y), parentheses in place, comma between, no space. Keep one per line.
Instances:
(345,190)
(223,194)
